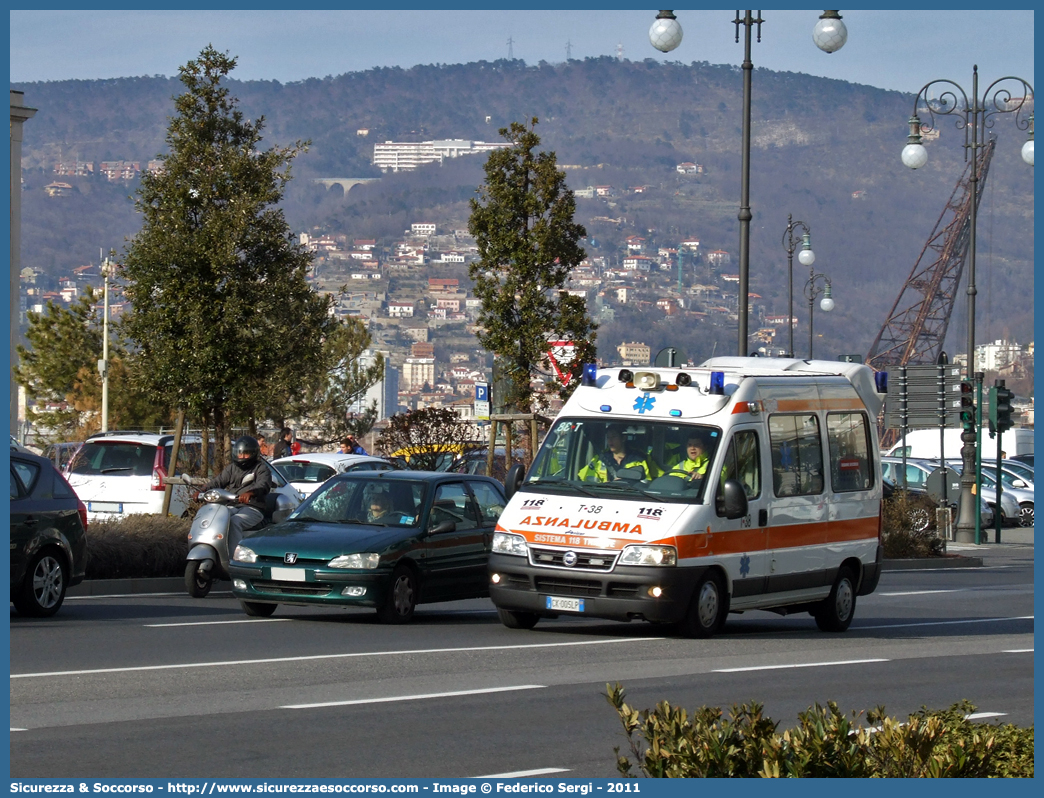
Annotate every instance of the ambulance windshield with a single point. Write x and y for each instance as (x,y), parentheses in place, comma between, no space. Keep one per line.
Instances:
(628,459)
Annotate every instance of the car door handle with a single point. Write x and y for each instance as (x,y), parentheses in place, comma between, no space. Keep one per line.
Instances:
(762,517)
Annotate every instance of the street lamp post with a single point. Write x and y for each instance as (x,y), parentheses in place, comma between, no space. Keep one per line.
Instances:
(103,364)
(812,291)
(829,35)
(974,116)
(806,258)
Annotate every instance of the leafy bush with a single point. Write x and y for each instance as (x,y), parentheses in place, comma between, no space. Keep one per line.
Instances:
(667,743)
(137,546)
(909,526)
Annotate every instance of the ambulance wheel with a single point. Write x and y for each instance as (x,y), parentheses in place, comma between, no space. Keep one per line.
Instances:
(835,613)
(517,620)
(710,605)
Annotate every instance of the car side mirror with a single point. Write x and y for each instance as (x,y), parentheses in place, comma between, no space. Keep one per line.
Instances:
(443,526)
(513,480)
(1018,483)
(735,503)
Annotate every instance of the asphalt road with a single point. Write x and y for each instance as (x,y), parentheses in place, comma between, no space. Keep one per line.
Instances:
(167,686)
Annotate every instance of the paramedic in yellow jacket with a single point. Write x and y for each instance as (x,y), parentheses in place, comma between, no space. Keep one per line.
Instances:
(604,467)
(694,466)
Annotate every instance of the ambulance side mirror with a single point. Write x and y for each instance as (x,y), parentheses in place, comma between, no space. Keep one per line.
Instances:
(513,480)
(735,499)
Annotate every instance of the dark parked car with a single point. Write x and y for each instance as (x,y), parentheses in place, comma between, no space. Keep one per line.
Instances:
(48,535)
(383,539)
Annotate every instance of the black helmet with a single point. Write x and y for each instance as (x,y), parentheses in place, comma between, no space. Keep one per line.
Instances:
(245,452)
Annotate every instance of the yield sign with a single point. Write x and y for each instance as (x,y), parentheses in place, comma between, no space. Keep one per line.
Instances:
(560,355)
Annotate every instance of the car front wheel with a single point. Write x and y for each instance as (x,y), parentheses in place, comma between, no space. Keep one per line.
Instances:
(43,589)
(257,609)
(401,600)
(1026,514)
(517,620)
(709,608)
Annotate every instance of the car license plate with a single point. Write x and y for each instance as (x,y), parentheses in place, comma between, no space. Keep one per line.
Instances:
(105,507)
(565,604)
(288,575)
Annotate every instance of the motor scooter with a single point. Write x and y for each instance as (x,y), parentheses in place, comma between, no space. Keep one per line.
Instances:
(208,554)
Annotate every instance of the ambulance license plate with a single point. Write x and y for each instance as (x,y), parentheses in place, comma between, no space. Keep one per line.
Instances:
(565,604)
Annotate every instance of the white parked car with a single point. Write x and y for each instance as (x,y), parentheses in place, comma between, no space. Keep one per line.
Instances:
(123,473)
(307,472)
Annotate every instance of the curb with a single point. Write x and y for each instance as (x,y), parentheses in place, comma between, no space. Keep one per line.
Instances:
(126,587)
(932,563)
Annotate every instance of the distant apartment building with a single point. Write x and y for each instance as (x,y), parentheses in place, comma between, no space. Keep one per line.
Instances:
(400,310)
(408,155)
(422,349)
(689,168)
(384,395)
(443,285)
(719,257)
(74,168)
(119,170)
(422,229)
(418,372)
(634,354)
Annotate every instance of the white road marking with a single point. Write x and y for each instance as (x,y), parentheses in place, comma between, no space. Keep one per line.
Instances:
(215,623)
(797,665)
(315,657)
(522,774)
(982,715)
(944,623)
(390,699)
(1017,651)
(14,729)
(922,592)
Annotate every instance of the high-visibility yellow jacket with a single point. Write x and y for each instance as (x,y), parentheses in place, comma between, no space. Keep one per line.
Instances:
(604,467)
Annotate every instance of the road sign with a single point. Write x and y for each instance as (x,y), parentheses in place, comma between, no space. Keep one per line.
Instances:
(482,401)
(923,397)
(560,355)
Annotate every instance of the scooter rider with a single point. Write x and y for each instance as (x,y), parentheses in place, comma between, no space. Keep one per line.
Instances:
(249,477)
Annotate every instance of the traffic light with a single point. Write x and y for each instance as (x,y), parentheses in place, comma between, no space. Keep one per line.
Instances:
(1000,407)
(968,403)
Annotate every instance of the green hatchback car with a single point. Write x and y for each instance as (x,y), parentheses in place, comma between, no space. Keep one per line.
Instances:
(388,539)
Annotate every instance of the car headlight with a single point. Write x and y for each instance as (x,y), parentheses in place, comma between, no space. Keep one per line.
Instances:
(366,561)
(243,554)
(649,555)
(503,543)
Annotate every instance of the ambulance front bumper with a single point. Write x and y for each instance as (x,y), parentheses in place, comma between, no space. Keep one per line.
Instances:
(657,594)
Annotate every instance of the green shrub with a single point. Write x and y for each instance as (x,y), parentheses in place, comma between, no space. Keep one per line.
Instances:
(137,546)
(910,526)
(666,743)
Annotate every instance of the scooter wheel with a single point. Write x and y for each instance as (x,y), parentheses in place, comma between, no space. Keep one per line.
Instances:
(198,584)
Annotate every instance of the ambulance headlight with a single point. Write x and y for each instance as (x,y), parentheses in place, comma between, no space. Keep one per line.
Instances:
(649,555)
(503,543)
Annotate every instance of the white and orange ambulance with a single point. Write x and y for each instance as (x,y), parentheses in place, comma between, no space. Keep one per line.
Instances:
(677,495)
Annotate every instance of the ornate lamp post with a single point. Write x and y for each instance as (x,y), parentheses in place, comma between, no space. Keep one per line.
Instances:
(812,291)
(806,258)
(665,34)
(974,116)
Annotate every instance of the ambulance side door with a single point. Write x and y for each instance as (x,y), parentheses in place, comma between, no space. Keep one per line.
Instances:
(742,543)
(799,514)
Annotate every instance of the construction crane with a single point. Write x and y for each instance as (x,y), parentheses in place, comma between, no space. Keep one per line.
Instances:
(916,326)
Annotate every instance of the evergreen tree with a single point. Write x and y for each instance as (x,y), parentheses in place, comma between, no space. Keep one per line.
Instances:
(222,316)
(527,240)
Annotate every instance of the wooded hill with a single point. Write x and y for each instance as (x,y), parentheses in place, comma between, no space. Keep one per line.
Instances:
(826,151)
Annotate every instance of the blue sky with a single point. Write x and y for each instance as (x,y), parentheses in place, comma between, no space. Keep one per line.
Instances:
(899,50)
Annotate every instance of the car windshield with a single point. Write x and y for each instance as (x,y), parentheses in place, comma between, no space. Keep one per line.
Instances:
(630,460)
(356,500)
(305,471)
(114,457)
